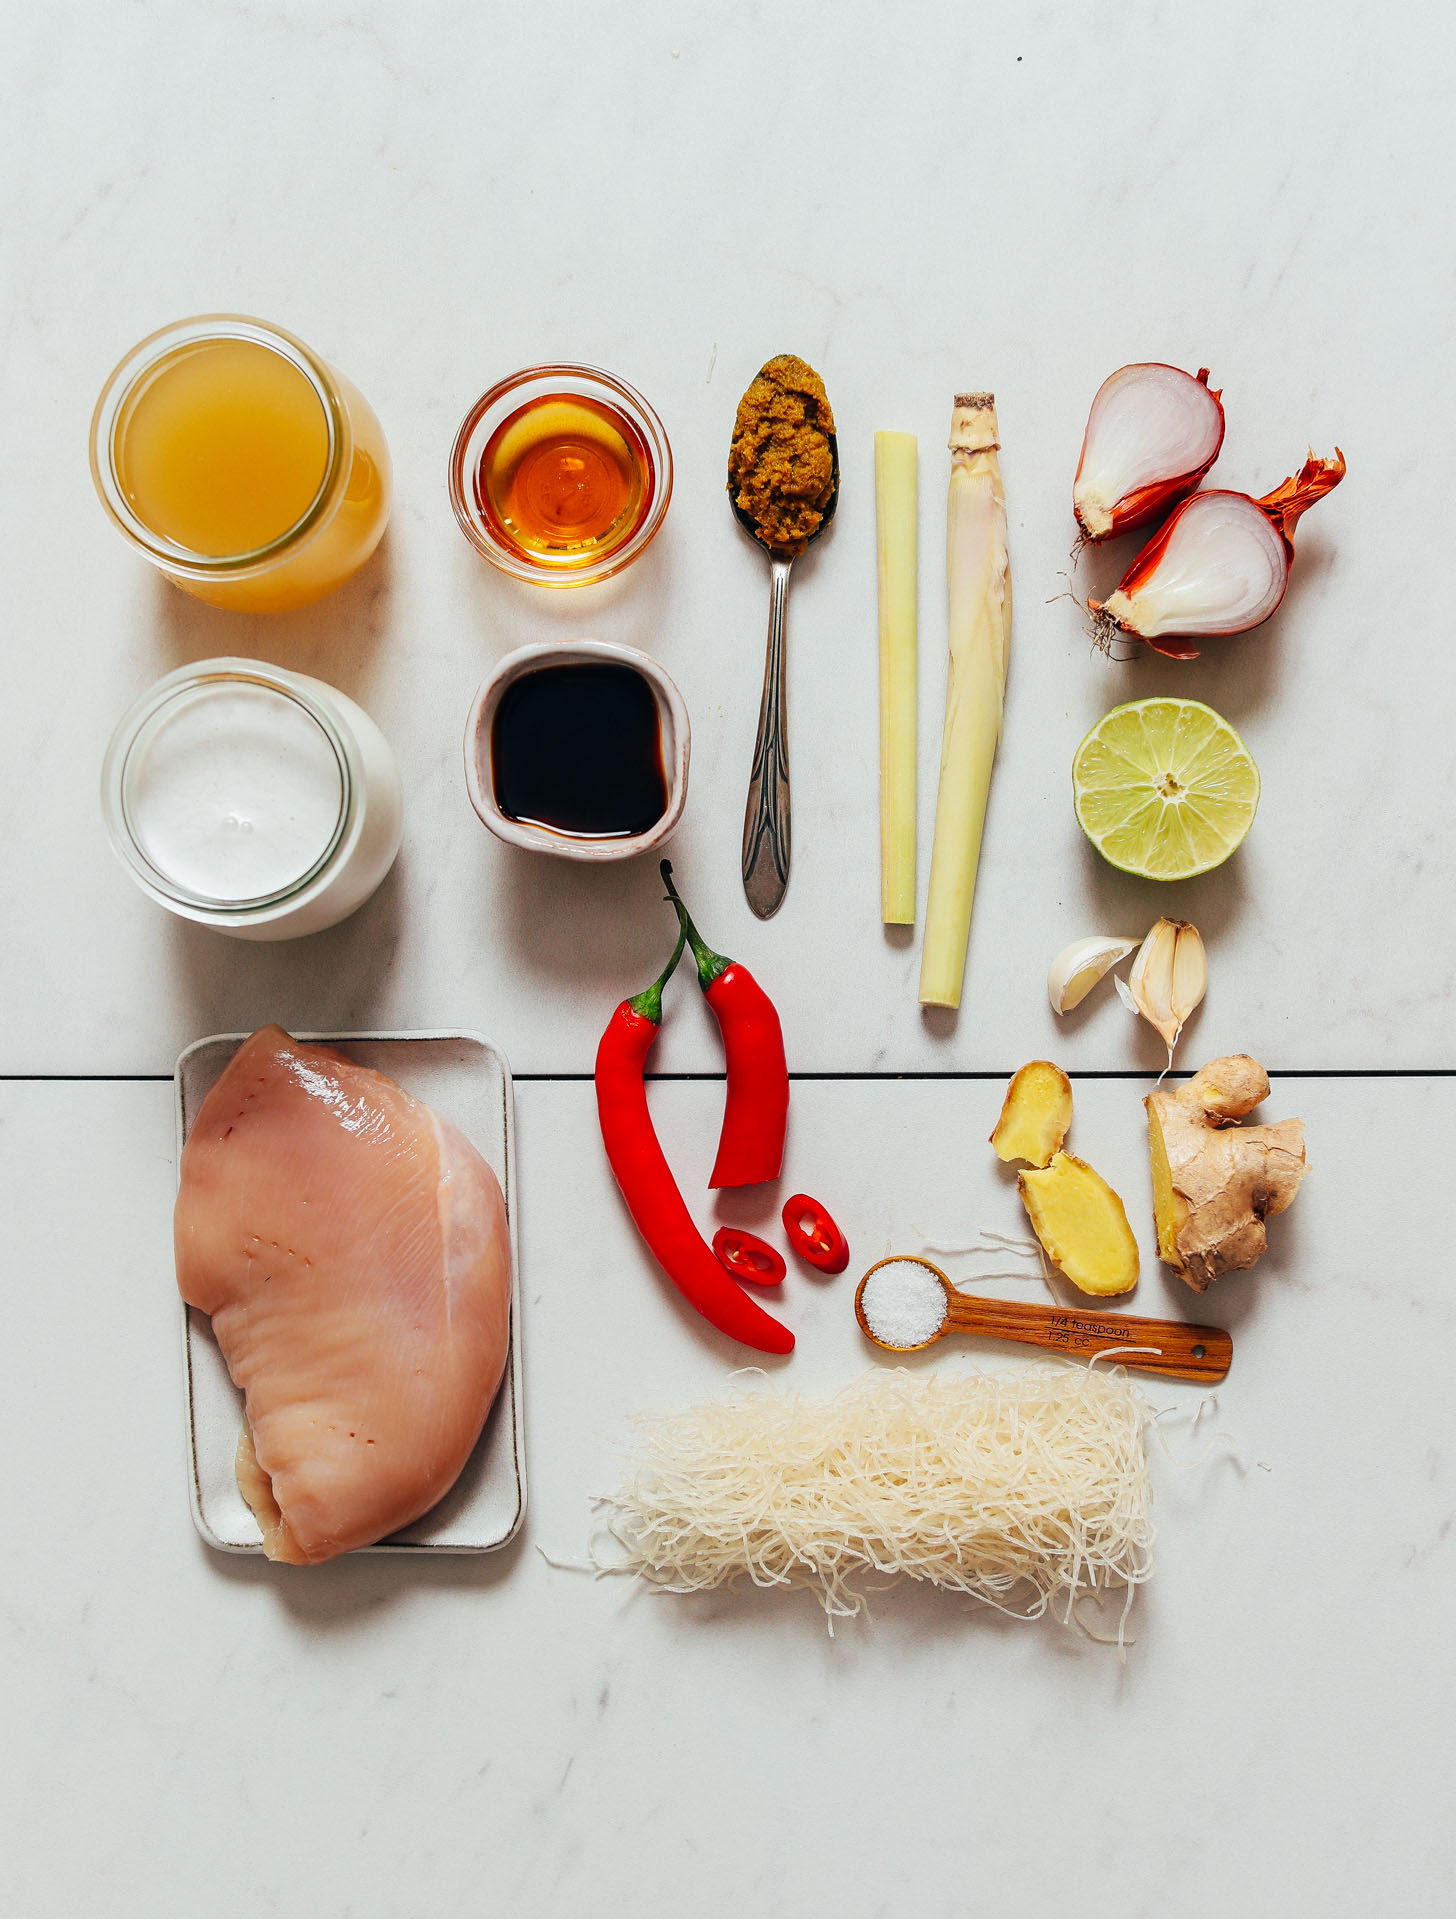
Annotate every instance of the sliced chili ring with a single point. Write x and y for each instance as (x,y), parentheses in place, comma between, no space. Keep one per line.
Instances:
(814,1235)
(748,1257)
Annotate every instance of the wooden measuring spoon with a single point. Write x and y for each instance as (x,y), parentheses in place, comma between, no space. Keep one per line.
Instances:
(1166,1346)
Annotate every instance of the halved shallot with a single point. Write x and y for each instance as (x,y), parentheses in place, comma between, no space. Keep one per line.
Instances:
(1220,565)
(1152,434)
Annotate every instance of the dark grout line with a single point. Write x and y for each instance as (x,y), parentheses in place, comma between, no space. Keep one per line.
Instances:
(1087,1073)
(1358,1072)
(1000,1073)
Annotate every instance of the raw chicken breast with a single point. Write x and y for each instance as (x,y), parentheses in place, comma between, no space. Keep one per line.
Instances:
(353,1252)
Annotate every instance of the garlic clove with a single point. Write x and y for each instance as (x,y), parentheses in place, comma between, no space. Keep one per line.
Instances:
(1169,978)
(1078,967)
(1152,433)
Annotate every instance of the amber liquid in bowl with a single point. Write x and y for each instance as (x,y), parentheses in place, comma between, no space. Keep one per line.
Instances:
(565,480)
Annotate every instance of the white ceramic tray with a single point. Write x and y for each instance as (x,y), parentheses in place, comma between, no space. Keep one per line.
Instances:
(467,1081)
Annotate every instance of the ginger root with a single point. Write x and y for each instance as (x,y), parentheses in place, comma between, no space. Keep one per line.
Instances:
(1215,1182)
(1035,1114)
(1075,1214)
(1082,1224)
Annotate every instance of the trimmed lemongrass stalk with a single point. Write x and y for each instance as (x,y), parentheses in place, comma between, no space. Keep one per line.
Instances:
(896,510)
(978,580)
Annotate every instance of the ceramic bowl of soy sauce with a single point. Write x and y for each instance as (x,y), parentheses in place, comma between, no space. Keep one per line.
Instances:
(580,750)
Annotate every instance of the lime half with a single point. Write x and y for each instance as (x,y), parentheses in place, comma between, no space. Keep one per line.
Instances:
(1164,788)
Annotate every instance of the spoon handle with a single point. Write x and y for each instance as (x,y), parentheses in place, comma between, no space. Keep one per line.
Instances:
(1180,1351)
(766,820)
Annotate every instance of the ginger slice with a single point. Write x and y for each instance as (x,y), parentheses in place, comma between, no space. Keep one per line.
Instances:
(1035,1114)
(1215,1182)
(1082,1224)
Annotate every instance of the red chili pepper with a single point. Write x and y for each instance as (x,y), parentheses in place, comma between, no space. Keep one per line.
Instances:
(756,1111)
(647,1183)
(748,1257)
(814,1235)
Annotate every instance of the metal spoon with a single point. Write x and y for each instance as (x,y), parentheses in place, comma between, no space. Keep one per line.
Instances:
(1168,1346)
(766,818)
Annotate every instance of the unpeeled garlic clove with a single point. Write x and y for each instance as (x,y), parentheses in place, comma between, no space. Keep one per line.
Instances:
(1169,978)
(1078,967)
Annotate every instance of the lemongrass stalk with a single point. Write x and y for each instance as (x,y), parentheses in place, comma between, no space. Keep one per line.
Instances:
(896,508)
(978,580)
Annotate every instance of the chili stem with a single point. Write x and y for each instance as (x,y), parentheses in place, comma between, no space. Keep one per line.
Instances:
(648,1003)
(710,965)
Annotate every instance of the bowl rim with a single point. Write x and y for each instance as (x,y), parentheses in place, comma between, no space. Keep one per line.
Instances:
(511,564)
(530,658)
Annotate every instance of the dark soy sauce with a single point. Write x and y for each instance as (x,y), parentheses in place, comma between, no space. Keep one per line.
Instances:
(578,750)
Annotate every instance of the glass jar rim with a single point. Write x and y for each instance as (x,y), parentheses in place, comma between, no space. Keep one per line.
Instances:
(142,360)
(129,730)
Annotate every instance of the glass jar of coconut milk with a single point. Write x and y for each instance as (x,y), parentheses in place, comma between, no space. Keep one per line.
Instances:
(252,799)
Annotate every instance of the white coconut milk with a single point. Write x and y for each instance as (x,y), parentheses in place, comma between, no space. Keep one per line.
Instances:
(255,800)
(235,792)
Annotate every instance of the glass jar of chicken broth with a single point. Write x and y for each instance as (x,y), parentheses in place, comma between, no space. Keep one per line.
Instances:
(244,467)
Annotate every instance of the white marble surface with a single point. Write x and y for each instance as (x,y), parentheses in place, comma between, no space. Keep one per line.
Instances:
(193,1733)
(916,199)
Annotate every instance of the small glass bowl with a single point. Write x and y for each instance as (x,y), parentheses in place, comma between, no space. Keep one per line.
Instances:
(505,398)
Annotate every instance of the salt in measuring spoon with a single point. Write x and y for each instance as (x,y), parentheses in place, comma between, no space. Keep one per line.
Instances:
(1166,1346)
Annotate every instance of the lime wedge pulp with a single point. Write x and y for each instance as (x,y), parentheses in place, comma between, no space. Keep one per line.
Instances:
(1164,788)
